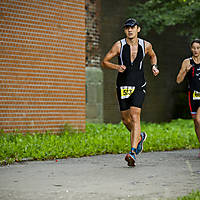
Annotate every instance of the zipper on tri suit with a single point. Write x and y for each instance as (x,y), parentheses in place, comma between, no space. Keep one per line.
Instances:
(132,65)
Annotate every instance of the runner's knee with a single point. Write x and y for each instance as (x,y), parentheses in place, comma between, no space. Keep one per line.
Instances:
(126,121)
(197,121)
(135,117)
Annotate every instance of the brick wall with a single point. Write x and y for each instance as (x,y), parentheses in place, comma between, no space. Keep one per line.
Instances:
(92,33)
(42,69)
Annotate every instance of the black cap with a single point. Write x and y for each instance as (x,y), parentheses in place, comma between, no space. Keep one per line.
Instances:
(130,22)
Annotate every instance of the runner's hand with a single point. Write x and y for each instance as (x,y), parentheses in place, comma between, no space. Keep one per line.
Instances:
(155,71)
(121,68)
(188,68)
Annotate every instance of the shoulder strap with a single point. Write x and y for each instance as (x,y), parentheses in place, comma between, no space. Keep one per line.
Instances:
(192,61)
(123,42)
(141,43)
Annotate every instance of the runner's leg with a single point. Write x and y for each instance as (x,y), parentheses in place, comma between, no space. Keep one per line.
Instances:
(131,119)
(136,129)
(128,122)
(197,124)
(126,119)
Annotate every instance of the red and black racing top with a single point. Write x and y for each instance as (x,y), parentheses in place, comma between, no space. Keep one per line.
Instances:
(194,76)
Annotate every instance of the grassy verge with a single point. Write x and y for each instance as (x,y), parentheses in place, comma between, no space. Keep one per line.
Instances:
(191,196)
(98,139)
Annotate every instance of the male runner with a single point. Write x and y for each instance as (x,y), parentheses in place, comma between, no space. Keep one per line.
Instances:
(131,82)
(191,68)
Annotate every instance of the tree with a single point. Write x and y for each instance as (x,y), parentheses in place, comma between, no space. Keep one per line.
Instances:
(158,15)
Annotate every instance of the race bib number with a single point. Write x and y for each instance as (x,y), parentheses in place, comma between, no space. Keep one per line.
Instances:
(126,91)
(196,95)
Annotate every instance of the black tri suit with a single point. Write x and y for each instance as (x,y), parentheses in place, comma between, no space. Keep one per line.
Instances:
(194,87)
(131,83)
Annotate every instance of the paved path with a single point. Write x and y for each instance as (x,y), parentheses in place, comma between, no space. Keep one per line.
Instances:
(158,175)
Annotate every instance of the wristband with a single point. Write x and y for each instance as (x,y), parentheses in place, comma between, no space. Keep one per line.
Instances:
(155,65)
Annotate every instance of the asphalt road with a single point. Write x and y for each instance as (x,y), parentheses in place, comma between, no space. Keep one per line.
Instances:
(158,175)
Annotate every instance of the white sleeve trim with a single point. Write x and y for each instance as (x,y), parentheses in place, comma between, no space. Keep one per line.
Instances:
(141,42)
(123,42)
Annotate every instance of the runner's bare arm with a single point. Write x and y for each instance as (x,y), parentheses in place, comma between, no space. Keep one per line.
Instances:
(185,67)
(114,51)
(153,58)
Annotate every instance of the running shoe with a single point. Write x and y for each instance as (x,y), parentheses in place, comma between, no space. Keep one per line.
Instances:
(140,144)
(130,158)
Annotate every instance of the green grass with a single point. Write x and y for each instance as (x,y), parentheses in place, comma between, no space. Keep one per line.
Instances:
(98,139)
(178,134)
(192,196)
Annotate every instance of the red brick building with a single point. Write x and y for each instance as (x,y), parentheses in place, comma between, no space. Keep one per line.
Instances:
(50,72)
(42,69)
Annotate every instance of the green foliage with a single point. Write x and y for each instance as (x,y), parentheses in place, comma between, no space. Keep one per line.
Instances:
(157,15)
(178,134)
(98,139)
(192,196)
